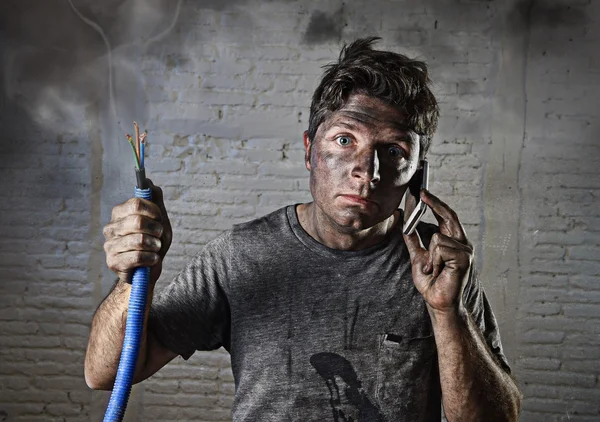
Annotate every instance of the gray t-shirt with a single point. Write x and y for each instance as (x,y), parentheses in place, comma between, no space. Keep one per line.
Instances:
(315,334)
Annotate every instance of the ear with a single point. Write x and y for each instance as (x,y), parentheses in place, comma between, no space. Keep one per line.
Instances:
(307,149)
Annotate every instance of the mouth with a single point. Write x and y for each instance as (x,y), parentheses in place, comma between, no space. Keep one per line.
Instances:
(359,200)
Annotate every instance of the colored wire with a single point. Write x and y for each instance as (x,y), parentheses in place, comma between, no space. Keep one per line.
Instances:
(137,138)
(142,144)
(142,147)
(135,156)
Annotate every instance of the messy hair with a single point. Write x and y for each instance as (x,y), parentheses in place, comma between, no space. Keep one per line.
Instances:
(385,75)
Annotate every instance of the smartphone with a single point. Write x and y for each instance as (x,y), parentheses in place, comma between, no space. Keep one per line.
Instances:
(414,208)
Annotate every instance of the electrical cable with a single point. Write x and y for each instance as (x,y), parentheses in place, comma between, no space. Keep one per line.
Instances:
(135,313)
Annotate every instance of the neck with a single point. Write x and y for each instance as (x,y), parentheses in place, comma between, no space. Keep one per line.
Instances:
(325,231)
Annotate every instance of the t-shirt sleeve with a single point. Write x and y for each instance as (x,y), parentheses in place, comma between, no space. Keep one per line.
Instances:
(477,304)
(192,312)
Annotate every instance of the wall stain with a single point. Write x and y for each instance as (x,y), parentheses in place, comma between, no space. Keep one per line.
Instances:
(543,15)
(324,28)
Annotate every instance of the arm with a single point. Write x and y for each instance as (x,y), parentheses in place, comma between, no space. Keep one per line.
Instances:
(139,234)
(106,340)
(474,385)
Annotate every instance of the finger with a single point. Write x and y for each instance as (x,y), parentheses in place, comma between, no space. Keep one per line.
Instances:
(127,261)
(443,248)
(136,206)
(133,224)
(442,256)
(445,216)
(416,250)
(436,262)
(413,243)
(157,196)
(443,240)
(132,242)
(158,199)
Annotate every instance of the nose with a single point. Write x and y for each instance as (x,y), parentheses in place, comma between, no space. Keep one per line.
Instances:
(367,167)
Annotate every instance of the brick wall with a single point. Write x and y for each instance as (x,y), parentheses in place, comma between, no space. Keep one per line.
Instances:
(559,297)
(224,94)
(46,301)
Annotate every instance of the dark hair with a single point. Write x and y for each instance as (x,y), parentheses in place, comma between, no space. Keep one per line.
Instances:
(388,76)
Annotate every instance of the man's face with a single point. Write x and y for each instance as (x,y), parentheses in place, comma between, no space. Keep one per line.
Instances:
(360,162)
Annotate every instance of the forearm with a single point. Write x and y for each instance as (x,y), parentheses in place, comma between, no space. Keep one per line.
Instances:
(106,338)
(474,386)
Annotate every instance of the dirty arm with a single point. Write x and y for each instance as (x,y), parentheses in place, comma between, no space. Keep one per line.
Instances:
(106,341)
(474,386)
(138,235)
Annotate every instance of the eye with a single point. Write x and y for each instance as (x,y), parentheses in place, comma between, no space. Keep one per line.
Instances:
(344,140)
(395,151)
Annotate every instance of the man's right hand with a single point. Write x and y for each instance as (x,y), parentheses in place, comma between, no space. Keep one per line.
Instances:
(138,235)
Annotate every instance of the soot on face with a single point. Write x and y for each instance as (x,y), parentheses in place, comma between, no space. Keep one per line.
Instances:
(362,165)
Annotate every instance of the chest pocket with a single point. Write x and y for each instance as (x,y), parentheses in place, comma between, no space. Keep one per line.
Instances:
(407,374)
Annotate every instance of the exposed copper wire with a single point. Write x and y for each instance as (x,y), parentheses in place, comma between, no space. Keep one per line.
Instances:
(137,138)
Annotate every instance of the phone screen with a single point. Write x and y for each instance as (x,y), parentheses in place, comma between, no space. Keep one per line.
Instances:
(414,208)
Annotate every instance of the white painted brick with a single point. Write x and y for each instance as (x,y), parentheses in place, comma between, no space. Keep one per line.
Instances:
(545,280)
(257,155)
(48,396)
(540,391)
(256,183)
(561,377)
(545,405)
(163,387)
(540,350)
(201,387)
(33,341)
(580,352)
(14,382)
(230,167)
(225,374)
(539,363)
(581,310)
(557,322)
(582,366)
(285,168)
(63,409)
(543,337)
(228,388)
(60,383)
(17,327)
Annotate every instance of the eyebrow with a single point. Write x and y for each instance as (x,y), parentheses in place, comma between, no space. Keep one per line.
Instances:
(406,137)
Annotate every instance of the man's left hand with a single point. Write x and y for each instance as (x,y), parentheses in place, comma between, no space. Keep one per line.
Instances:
(440,272)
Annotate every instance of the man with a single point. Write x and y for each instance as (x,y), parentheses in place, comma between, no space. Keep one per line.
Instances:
(328,311)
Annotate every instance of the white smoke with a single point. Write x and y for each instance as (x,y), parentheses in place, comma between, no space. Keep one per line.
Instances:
(68,55)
